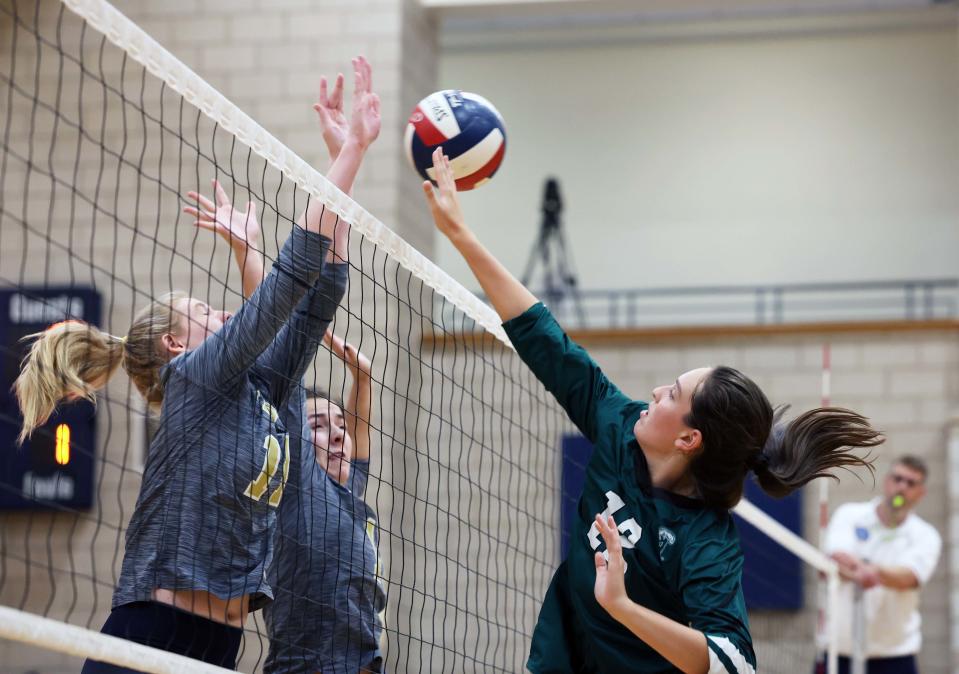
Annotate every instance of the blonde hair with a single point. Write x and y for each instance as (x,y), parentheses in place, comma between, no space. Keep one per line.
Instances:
(76,358)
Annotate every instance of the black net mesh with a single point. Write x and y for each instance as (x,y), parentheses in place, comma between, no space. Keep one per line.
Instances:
(97,156)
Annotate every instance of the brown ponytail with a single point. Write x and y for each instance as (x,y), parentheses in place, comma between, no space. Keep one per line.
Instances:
(810,445)
(741,431)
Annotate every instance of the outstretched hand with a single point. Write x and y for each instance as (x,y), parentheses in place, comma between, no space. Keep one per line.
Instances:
(240,228)
(364,123)
(349,354)
(610,587)
(365,114)
(329,110)
(443,202)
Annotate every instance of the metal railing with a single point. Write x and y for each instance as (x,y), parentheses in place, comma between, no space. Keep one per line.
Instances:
(858,301)
(904,300)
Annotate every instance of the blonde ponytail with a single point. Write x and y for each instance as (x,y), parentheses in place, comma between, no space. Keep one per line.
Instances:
(68,359)
(73,359)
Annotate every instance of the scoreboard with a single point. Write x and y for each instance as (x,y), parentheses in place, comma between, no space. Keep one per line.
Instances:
(54,468)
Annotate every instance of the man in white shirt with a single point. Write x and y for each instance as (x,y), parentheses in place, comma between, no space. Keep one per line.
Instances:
(890,552)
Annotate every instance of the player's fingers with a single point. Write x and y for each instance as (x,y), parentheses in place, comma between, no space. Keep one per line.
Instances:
(324,99)
(202,200)
(222,199)
(336,98)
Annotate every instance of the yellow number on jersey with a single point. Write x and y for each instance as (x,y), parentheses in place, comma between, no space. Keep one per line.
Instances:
(258,487)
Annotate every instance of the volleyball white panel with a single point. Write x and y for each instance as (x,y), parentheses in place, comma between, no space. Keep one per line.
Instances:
(408,143)
(439,113)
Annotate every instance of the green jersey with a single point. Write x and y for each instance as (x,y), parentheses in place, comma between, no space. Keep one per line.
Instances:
(683,560)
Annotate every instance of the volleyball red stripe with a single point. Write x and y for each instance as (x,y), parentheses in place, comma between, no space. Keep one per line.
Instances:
(428,133)
(470,181)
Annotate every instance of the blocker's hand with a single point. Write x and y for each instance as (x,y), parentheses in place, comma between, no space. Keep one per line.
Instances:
(355,360)
(329,110)
(239,228)
(365,115)
(443,202)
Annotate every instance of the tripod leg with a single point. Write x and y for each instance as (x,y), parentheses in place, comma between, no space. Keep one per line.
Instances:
(568,278)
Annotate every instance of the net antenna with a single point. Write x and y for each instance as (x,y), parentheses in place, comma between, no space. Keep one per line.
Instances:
(549,250)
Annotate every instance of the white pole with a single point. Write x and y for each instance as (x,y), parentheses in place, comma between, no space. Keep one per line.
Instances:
(832,647)
(952,483)
(83,643)
(824,622)
(858,631)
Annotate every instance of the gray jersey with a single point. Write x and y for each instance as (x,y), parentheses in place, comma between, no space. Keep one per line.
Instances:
(218,465)
(326,613)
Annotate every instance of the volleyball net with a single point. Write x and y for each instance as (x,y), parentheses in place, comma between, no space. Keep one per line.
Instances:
(103,134)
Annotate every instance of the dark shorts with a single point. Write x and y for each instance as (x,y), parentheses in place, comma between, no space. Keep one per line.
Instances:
(169,629)
(905,664)
(376,666)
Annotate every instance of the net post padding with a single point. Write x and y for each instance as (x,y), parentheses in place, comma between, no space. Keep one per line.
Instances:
(80,642)
(143,49)
(807,552)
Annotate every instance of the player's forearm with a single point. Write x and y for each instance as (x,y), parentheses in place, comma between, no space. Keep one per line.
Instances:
(509,297)
(252,268)
(683,646)
(318,217)
(361,405)
(897,577)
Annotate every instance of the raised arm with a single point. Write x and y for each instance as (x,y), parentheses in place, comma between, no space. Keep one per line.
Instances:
(363,129)
(241,341)
(226,355)
(509,297)
(240,230)
(564,367)
(359,403)
(286,360)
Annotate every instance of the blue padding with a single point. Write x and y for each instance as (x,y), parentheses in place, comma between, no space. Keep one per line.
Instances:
(772,576)
(576,453)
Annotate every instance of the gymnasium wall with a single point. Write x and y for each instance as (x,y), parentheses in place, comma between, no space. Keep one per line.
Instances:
(769,158)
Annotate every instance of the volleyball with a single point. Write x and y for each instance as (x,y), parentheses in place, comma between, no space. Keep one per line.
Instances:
(468,127)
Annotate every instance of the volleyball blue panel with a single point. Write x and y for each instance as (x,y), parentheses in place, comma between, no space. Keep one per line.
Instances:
(473,131)
(422,156)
